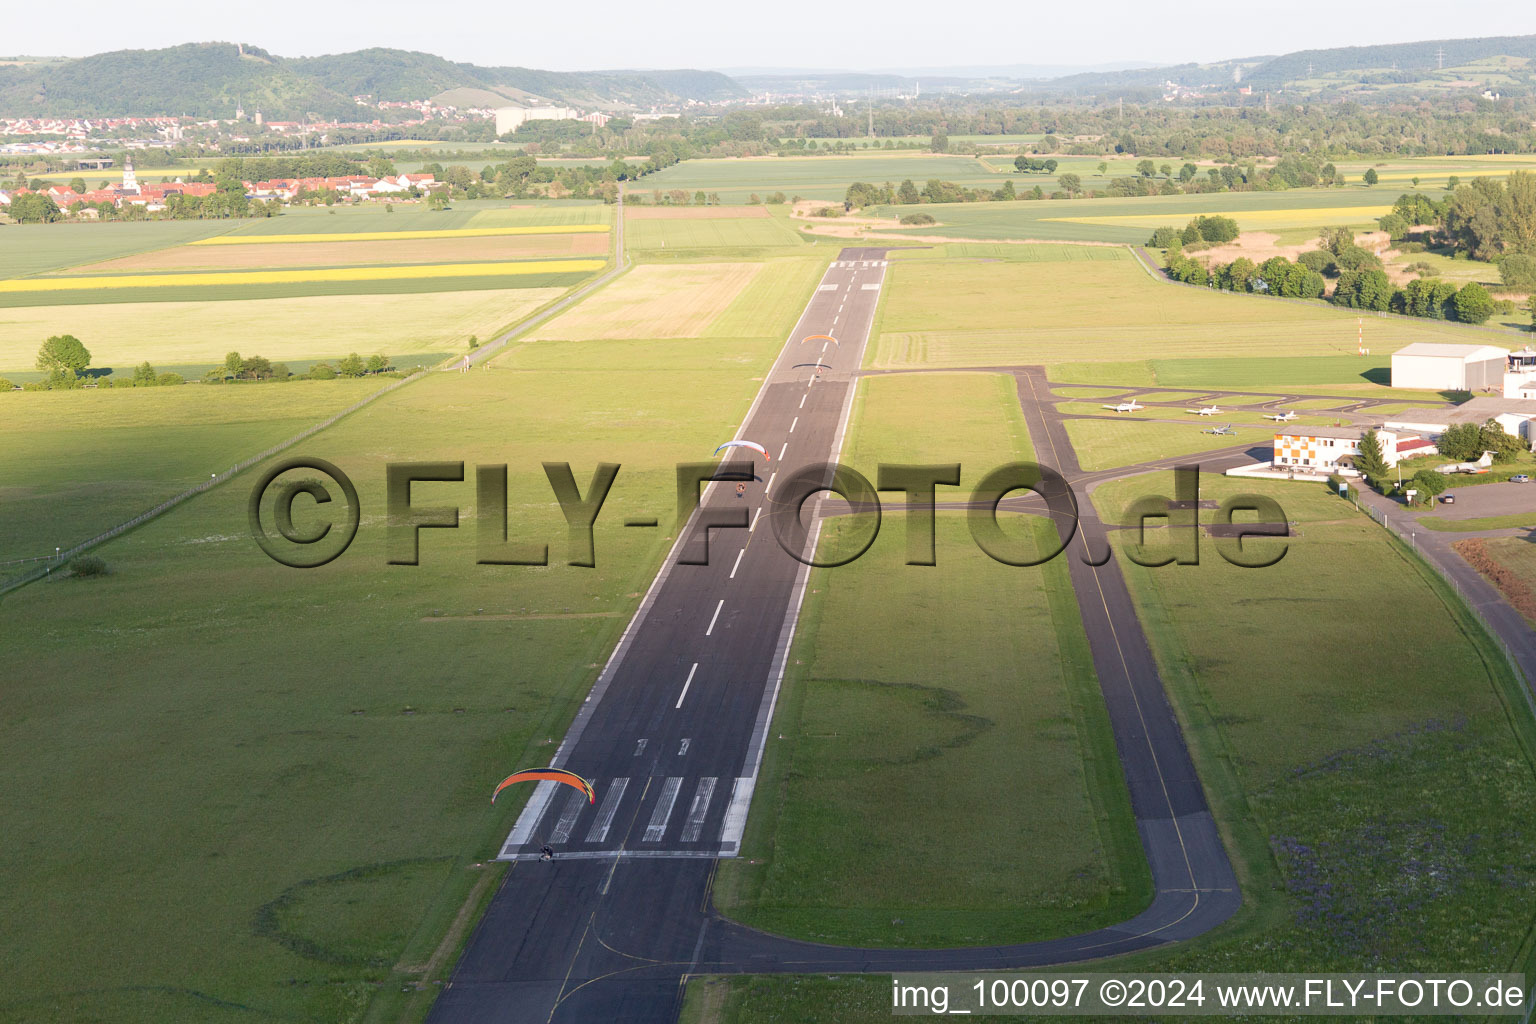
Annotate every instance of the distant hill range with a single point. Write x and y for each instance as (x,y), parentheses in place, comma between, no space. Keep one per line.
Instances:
(1309,71)
(212,79)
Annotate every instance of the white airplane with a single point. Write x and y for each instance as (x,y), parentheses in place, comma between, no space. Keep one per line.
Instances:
(1208,410)
(1130,406)
(1282,417)
(1219,430)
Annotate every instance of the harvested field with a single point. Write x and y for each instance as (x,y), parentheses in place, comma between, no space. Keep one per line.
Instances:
(358,253)
(655,301)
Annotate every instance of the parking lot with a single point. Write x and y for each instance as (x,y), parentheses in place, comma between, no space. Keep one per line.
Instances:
(1482,500)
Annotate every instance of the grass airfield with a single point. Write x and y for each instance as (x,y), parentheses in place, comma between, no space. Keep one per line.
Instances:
(315,800)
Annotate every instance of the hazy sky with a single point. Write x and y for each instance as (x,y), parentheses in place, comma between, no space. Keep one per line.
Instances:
(790,33)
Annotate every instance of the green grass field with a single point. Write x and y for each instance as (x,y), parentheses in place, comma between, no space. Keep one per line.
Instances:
(1131,220)
(285,825)
(1106,444)
(819,177)
(1069,313)
(1357,802)
(79,462)
(1523,520)
(121,335)
(916,696)
(37,248)
(649,237)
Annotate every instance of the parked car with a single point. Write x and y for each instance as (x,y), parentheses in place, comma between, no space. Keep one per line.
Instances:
(1520,478)
(1448,499)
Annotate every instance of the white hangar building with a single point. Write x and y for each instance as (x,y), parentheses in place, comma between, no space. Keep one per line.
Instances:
(1436,367)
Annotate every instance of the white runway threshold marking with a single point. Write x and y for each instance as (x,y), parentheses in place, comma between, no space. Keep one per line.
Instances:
(606,810)
(715,617)
(738,563)
(522,831)
(568,818)
(658,825)
(694,823)
(689,681)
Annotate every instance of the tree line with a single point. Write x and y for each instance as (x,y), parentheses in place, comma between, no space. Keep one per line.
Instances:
(1361,281)
(67,363)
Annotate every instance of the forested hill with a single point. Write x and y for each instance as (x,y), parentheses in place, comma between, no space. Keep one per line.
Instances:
(211,79)
(1406,57)
(1316,70)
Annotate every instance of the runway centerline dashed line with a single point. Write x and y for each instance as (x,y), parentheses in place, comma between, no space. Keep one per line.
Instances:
(758,515)
(802,401)
(795,424)
(738,563)
(689,681)
(782,451)
(769,485)
(715,617)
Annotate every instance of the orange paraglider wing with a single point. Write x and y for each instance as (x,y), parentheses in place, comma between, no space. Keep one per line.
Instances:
(548,775)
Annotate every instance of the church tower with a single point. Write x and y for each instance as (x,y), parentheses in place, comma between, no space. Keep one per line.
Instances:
(130,182)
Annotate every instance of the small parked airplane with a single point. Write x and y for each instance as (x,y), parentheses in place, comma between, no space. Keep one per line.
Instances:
(1130,406)
(1208,410)
(1219,430)
(1282,417)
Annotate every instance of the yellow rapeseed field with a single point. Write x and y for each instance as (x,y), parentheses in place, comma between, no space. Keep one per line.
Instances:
(34,284)
(380,236)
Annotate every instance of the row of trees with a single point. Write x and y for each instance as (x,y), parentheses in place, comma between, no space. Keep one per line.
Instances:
(1362,283)
(1356,289)
(257,368)
(66,361)
(863,194)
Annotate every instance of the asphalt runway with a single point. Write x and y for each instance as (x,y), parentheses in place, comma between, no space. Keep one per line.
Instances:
(673,731)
